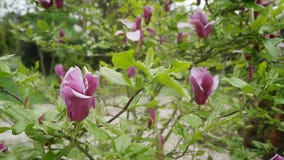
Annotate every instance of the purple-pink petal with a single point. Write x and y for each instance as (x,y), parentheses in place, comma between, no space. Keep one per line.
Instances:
(277,157)
(151,117)
(91,83)
(147,13)
(202,26)
(46,4)
(59,3)
(131,71)
(203,84)
(77,92)
(3,148)
(59,70)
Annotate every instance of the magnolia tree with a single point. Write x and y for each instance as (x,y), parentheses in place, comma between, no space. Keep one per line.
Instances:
(147,80)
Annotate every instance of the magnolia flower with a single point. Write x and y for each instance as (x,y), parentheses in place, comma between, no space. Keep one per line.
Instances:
(131,71)
(203,84)
(277,157)
(59,3)
(137,34)
(46,4)
(77,92)
(3,148)
(262,3)
(147,13)
(202,26)
(181,35)
(152,117)
(59,71)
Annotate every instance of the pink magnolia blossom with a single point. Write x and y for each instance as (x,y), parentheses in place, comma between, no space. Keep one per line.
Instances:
(46,4)
(77,92)
(152,117)
(61,35)
(59,71)
(202,26)
(3,148)
(131,71)
(59,3)
(147,13)
(277,157)
(203,84)
(263,3)
(136,33)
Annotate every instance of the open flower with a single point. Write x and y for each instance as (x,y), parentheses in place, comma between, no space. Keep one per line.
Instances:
(202,26)
(136,33)
(203,84)
(77,92)
(147,13)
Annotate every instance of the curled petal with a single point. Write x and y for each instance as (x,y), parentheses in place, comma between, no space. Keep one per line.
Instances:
(134,36)
(185,25)
(127,23)
(91,83)
(59,3)
(151,30)
(78,109)
(119,33)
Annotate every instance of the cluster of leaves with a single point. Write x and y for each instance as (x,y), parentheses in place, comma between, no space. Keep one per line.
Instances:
(243,118)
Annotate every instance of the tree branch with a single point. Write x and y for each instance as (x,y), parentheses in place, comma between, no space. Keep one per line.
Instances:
(2,89)
(125,107)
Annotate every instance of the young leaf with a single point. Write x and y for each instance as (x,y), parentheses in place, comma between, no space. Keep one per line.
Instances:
(121,143)
(165,79)
(123,60)
(98,132)
(193,120)
(112,76)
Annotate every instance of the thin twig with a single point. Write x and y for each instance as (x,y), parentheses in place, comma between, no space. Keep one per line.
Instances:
(183,153)
(2,89)
(125,107)
(85,152)
(207,4)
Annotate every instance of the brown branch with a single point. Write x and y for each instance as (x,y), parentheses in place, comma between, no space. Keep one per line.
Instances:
(2,89)
(125,107)
(207,4)
(85,152)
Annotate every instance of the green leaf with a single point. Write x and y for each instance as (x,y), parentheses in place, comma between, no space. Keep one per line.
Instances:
(37,134)
(278,100)
(271,48)
(193,120)
(42,25)
(112,76)
(19,127)
(236,82)
(4,129)
(259,22)
(262,68)
(121,143)
(180,66)
(141,66)
(248,89)
(149,57)
(123,60)
(98,132)
(165,79)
